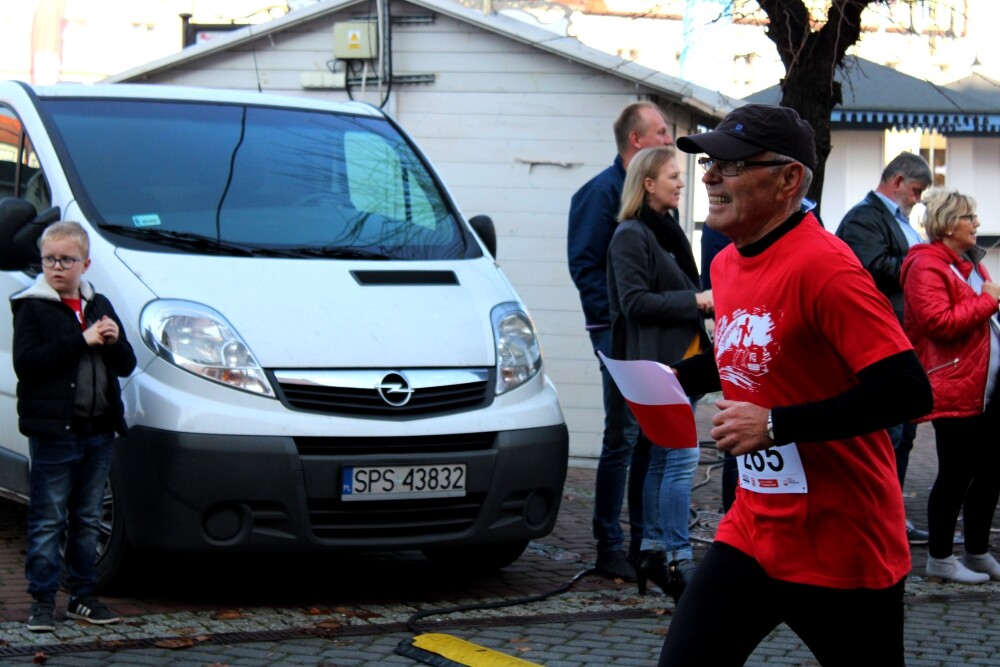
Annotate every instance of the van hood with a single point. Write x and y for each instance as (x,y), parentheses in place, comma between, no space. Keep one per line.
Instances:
(306,313)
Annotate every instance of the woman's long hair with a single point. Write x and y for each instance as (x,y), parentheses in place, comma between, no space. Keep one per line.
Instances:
(646,164)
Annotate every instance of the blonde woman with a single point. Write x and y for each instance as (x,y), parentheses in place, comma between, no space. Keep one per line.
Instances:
(657,313)
(950,306)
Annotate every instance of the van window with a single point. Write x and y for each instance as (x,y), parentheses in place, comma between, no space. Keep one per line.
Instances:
(211,178)
(20,173)
(379,184)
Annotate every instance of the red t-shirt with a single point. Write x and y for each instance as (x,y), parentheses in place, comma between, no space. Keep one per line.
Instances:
(795,324)
(77,306)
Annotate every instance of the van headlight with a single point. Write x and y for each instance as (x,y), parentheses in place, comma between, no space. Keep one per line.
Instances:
(519,357)
(200,340)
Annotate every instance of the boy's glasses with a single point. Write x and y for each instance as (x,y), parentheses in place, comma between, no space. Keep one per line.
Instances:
(50,261)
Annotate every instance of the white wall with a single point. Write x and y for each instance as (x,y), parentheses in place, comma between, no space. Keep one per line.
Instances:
(974,169)
(853,168)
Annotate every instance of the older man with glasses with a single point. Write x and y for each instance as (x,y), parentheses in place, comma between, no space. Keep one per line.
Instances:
(878,230)
(816,537)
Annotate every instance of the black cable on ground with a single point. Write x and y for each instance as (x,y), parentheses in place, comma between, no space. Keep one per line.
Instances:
(712,464)
(412,620)
(407,649)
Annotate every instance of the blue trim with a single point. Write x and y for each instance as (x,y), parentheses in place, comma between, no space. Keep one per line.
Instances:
(945,123)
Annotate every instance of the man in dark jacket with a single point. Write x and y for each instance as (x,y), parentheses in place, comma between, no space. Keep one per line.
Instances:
(878,230)
(593,216)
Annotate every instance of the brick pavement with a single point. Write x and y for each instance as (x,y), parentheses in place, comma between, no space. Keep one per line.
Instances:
(213,598)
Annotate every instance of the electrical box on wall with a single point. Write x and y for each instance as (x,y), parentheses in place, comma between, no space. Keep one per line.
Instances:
(355,39)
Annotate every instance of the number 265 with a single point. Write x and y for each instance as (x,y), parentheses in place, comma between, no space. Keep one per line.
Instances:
(769,458)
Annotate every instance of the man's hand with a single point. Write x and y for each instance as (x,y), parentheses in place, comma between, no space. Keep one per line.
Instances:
(740,428)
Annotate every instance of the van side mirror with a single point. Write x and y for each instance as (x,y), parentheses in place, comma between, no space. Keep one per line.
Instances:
(482,225)
(20,227)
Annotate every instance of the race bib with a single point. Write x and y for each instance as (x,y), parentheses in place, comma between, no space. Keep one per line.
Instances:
(773,470)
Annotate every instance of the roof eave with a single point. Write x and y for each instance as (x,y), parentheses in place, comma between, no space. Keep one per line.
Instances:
(710,103)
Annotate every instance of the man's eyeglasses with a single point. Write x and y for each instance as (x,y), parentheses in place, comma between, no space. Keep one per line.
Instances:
(50,261)
(733,167)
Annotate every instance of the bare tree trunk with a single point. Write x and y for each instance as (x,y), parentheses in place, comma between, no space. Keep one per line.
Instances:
(810,59)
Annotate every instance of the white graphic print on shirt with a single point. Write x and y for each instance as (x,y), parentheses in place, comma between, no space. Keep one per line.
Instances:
(743,347)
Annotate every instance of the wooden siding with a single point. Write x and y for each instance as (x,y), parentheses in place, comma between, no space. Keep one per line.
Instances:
(514,132)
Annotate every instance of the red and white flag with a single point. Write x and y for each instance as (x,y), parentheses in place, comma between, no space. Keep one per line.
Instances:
(657,400)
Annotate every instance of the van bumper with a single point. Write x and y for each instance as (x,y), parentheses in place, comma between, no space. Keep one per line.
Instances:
(186,492)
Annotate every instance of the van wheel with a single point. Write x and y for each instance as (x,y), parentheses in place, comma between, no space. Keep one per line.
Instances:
(113,551)
(479,558)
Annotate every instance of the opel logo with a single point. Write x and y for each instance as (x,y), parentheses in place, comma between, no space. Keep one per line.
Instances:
(394,390)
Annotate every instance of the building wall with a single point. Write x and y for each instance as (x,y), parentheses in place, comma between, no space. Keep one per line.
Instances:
(853,168)
(514,132)
(974,168)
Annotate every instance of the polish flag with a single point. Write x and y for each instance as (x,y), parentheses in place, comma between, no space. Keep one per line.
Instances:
(659,404)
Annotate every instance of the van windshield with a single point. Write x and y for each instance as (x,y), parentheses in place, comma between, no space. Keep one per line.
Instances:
(253,180)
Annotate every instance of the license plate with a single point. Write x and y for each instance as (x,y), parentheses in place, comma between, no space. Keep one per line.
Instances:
(401,482)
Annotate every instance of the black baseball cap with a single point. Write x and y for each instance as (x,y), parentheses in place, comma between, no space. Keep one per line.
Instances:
(754,128)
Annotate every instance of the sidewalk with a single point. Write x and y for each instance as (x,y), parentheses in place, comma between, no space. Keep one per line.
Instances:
(353,610)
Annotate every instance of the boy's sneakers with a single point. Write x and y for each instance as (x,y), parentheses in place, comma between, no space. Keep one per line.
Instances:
(40,618)
(92,610)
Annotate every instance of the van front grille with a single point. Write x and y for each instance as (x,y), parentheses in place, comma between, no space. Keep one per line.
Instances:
(381,393)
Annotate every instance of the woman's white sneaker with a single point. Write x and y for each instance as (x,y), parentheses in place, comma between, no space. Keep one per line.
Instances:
(984,563)
(941,570)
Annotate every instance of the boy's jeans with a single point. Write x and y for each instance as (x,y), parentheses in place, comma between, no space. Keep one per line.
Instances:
(68,475)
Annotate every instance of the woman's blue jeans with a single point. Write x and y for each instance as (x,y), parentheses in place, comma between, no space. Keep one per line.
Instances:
(667,501)
(68,476)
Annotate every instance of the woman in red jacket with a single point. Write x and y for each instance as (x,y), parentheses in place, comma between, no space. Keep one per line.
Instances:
(951,317)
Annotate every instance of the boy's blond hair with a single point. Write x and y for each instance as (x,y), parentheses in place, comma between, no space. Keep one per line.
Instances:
(67,229)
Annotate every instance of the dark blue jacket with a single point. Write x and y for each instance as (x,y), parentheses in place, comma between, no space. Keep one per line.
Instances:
(593,214)
(711,243)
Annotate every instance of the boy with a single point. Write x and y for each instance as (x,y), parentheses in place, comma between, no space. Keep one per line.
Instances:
(69,351)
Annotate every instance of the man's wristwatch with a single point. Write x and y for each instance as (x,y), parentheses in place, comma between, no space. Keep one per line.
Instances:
(770,427)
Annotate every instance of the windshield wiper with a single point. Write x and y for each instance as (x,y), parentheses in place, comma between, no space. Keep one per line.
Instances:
(191,241)
(186,240)
(333,252)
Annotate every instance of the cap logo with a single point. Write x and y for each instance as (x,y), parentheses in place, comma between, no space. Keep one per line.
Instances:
(738,128)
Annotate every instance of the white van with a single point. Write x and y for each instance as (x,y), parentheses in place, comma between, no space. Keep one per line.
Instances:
(329,357)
